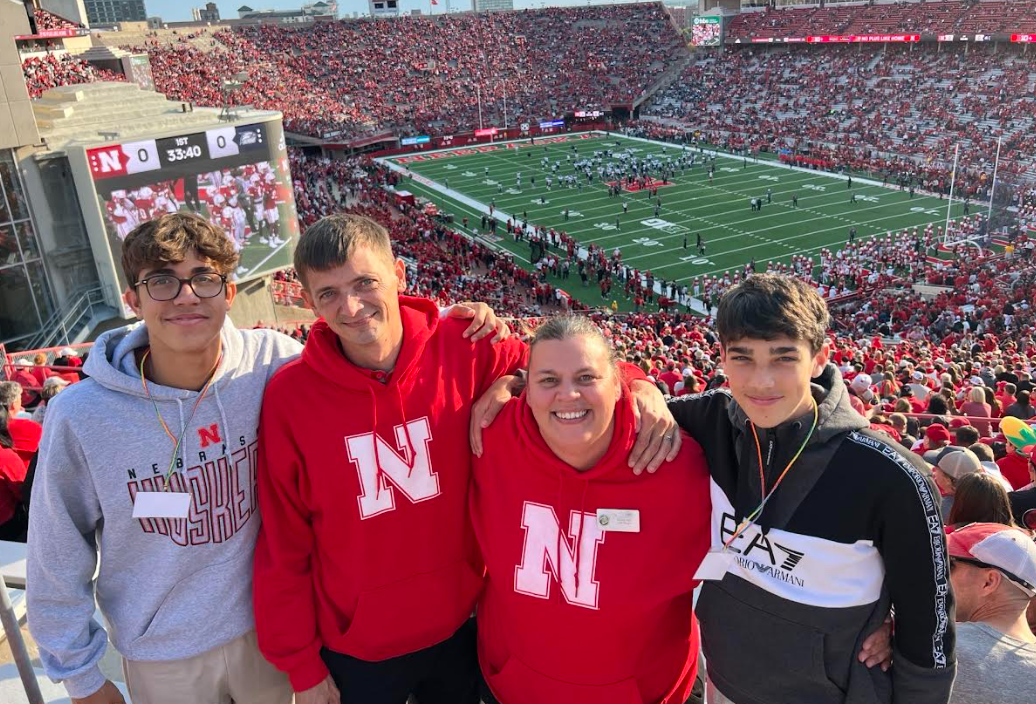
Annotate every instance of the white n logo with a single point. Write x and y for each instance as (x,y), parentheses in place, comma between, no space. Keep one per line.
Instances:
(109,161)
(411,475)
(540,553)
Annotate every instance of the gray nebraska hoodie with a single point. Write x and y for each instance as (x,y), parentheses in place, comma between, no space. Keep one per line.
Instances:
(169,588)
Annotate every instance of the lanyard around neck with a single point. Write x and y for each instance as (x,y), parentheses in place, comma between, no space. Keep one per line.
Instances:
(754,515)
(177,441)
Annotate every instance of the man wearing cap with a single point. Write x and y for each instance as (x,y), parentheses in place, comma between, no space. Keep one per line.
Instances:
(993,573)
(917,385)
(936,437)
(860,394)
(948,466)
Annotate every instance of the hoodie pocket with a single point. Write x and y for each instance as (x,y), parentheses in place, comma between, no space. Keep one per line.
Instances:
(219,596)
(749,650)
(413,613)
(517,683)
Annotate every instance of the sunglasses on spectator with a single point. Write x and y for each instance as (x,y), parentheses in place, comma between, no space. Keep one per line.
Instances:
(166,287)
(954,561)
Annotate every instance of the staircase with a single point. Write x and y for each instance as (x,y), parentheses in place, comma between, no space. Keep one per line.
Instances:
(73,324)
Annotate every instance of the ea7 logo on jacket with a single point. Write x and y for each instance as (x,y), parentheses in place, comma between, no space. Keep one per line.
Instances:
(759,542)
(405,466)
(543,543)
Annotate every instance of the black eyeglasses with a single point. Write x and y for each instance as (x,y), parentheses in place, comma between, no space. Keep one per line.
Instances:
(166,287)
(954,561)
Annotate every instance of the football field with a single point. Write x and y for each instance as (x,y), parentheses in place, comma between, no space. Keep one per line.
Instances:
(465,181)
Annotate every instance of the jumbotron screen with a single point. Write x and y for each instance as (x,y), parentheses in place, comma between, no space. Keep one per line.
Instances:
(236,177)
(706,31)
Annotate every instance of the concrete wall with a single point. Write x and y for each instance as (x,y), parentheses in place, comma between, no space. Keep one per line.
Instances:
(73,10)
(17,124)
(254,304)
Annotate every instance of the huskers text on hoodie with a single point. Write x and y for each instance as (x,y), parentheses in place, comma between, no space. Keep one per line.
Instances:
(168,588)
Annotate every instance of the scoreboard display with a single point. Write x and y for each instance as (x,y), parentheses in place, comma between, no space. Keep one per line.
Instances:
(188,151)
(236,176)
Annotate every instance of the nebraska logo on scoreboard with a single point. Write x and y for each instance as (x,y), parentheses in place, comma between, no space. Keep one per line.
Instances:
(123,159)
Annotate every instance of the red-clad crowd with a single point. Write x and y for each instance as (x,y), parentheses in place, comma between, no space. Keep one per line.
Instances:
(998,17)
(428,74)
(898,112)
(48,20)
(53,70)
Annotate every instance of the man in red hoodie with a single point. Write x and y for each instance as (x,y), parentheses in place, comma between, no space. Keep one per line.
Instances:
(366,567)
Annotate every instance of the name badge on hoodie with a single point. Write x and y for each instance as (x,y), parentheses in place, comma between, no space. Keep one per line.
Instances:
(161,504)
(619,520)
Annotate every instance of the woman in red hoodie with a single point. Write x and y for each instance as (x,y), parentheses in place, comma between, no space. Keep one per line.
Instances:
(590,568)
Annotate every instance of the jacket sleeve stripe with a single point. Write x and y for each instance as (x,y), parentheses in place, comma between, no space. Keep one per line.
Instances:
(937,539)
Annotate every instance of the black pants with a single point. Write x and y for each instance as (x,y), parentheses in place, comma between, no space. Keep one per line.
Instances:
(446,673)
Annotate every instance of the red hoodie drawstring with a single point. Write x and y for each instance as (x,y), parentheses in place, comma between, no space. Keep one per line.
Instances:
(579,533)
(374,439)
(411,451)
(561,527)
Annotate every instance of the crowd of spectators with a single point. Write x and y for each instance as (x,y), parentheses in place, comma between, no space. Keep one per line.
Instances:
(428,74)
(47,71)
(896,112)
(48,20)
(442,264)
(1004,17)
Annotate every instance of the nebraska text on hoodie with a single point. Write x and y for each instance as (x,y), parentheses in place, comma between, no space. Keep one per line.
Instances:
(366,547)
(574,613)
(169,588)
(854,527)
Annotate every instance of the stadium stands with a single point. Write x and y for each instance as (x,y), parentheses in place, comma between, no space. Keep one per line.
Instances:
(1005,17)
(48,20)
(53,70)
(422,74)
(895,111)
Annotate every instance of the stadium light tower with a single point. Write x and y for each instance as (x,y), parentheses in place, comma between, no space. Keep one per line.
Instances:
(992,186)
(478,95)
(228,86)
(949,204)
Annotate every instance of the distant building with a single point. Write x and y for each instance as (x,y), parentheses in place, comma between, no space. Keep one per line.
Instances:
(491,5)
(306,13)
(681,15)
(112,11)
(209,13)
(384,8)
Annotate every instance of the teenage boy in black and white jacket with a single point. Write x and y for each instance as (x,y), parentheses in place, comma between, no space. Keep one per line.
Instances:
(851,528)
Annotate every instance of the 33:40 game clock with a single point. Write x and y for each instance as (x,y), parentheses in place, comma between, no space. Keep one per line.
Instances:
(182,149)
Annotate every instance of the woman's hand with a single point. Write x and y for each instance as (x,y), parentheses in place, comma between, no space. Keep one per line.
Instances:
(486,408)
(658,436)
(877,647)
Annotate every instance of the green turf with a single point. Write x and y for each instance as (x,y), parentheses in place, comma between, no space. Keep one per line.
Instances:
(721,212)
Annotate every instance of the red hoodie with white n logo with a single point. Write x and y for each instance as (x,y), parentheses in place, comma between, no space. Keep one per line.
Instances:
(575,612)
(365,546)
